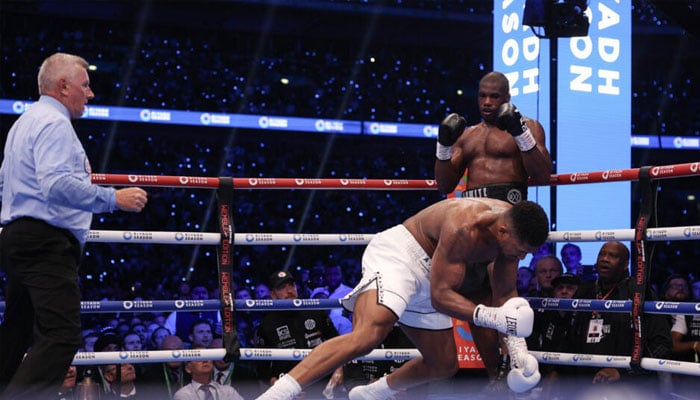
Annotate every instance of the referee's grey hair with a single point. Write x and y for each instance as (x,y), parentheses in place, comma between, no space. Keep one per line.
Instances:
(56,67)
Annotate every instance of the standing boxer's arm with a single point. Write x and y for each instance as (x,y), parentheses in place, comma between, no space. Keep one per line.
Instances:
(449,167)
(529,136)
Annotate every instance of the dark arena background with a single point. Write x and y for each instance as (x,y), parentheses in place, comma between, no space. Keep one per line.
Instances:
(394,61)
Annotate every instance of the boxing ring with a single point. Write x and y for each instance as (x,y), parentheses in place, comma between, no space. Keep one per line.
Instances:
(641,235)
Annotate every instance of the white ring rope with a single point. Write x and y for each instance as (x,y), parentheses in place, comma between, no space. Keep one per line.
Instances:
(316,239)
(157,356)
(602,361)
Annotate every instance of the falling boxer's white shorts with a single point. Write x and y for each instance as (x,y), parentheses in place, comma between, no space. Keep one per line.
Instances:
(396,265)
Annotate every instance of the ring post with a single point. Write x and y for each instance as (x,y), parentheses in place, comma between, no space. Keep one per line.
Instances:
(224,197)
(641,268)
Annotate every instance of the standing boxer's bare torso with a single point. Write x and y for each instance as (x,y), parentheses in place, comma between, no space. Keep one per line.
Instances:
(491,156)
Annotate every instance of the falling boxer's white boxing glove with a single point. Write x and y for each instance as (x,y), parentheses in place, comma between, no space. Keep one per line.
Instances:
(514,317)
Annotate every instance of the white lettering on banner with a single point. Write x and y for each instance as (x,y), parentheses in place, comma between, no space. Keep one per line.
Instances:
(578,83)
(531,76)
(515,50)
(608,17)
(608,77)
(608,50)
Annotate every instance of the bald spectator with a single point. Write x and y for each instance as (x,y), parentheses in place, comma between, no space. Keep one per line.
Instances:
(168,376)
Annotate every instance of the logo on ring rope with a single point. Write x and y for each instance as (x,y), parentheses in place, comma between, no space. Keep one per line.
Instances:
(694,167)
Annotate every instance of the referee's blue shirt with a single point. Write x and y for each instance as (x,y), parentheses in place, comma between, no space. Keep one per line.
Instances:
(45,173)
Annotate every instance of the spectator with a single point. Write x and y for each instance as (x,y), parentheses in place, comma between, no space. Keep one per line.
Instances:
(550,332)
(108,340)
(525,275)
(246,321)
(685,333)
(676,288)
(696,290)
(140,329)
(157,337)
(120,384)
(341,322)
(546,269)
(571,258)
(239,374)
(303,329)
(180,322)
(317,277)
(319,293)
(202,386)
(262,292)
(67,390)
(361,372)
(543,251)
(333,276)
(201,334)
(612,333)
(89,341)
(168,377)
(132,342)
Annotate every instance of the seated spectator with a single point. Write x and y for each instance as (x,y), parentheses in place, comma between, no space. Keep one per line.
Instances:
(202,386)
(302,329)
(696,290)
(239,374)
(341,322)
(547,268)
(544,250)
(319,293)
(261,292)
(179,322)
(685,333)
(611,333)
(333,276)
(170,376)
(201,334)
(571,258)
(120,384)
(67,390)
(525,274)
(140,329)
(108,340)
(361,372)
(132,342)
(550,332)
(157,337)
(89,341)
(246,321)
(676,288)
